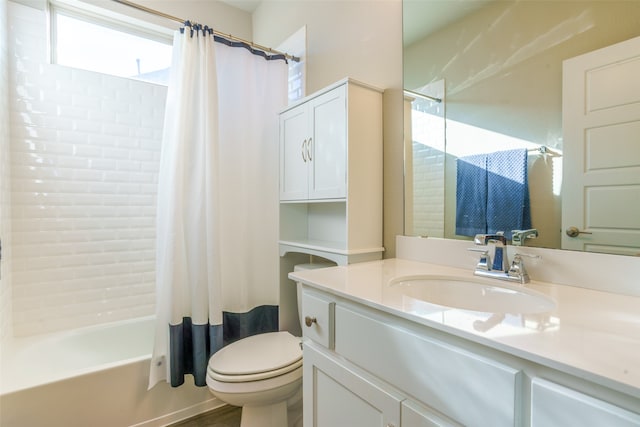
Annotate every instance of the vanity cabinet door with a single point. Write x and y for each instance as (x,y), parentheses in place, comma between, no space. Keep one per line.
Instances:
(554,405)
(416,415)
(336,395)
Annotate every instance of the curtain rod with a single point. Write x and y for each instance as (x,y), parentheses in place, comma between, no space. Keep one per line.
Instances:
(423,96)
(217,33)
(543,149)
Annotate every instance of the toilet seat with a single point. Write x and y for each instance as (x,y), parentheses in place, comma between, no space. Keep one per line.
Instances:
(255,358)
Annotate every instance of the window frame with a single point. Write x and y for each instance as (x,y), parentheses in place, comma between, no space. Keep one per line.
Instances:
(103,18)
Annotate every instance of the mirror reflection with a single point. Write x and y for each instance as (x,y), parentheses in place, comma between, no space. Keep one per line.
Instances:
(484,99)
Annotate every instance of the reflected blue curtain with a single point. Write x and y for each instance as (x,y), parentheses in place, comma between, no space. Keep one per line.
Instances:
(492,193)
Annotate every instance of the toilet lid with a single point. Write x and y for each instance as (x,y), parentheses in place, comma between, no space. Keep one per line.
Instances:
(256,357)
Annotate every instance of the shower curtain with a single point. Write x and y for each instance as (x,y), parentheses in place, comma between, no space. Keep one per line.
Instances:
(217,274)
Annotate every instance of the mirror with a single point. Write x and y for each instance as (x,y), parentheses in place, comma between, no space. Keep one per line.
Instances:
(482,76)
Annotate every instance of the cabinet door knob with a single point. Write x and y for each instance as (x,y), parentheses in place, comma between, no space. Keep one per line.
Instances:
(308,320)
(304,151)
(575,231)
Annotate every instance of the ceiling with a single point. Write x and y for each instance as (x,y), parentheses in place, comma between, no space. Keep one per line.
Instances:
(246,5)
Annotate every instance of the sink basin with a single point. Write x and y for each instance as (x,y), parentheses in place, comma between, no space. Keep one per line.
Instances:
(471,294)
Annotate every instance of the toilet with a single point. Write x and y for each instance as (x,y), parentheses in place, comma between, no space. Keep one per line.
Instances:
(262,374)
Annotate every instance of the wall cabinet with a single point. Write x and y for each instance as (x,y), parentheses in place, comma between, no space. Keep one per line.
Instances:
(331,174)
(313,142)
(389,371)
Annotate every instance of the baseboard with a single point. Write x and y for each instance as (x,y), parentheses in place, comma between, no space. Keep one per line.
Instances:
(182,414)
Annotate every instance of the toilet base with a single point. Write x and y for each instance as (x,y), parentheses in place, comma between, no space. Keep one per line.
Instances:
(263,416)
(294,412)
(286,413)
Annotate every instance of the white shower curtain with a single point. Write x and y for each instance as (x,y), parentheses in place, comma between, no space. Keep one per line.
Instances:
(217,215)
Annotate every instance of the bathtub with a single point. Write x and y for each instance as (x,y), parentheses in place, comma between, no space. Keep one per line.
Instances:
(91,376)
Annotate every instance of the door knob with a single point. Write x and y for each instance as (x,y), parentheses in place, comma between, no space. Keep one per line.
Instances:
(308,320)
(575,231)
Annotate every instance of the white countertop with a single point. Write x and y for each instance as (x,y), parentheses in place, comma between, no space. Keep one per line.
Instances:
(591,334)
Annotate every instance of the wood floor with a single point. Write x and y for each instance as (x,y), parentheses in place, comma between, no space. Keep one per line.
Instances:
(226,416)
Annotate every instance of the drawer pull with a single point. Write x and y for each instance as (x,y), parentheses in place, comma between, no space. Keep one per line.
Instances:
(308,320)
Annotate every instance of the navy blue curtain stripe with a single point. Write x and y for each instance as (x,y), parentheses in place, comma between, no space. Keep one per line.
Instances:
(191,345)
(257,321)
(215,338)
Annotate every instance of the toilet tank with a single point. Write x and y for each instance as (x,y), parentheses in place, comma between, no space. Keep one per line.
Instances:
(302,267)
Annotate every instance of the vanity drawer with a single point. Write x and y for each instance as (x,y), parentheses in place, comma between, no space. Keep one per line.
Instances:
(318,319)
(555,405)
(469,388)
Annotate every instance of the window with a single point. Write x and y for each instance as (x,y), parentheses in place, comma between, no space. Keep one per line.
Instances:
(92,42)
(295,45)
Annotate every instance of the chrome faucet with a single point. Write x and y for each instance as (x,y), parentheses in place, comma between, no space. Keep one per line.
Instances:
(518,237)
(500,261)
(500,268)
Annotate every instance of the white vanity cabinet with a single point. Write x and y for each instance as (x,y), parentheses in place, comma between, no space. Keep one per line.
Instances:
(465,386)
(338,392)
(372,368)
(345,396)
(331,174)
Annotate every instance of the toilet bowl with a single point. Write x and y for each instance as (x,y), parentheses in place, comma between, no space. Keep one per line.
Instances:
(262,374)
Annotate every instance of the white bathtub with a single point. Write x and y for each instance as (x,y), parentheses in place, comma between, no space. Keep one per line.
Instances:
(92,376)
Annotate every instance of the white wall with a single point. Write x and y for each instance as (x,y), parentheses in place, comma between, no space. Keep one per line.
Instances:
(5,212)
(357,39)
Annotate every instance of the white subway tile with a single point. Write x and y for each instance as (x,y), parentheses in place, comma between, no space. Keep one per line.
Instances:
(128,119)
(102,164)
(115,153)
(85,154)
(89,151)
(102,116)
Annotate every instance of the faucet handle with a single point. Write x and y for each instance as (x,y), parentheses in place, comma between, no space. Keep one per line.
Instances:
(518,237)
(517,268)
(485,259)
(519,256)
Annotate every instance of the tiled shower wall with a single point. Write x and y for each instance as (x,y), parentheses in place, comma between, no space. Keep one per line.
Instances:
(428,195)
(5,225)
(85,151)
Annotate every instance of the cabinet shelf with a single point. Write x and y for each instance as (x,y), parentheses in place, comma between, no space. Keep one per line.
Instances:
(334,251)
(313,201)
(328,246)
